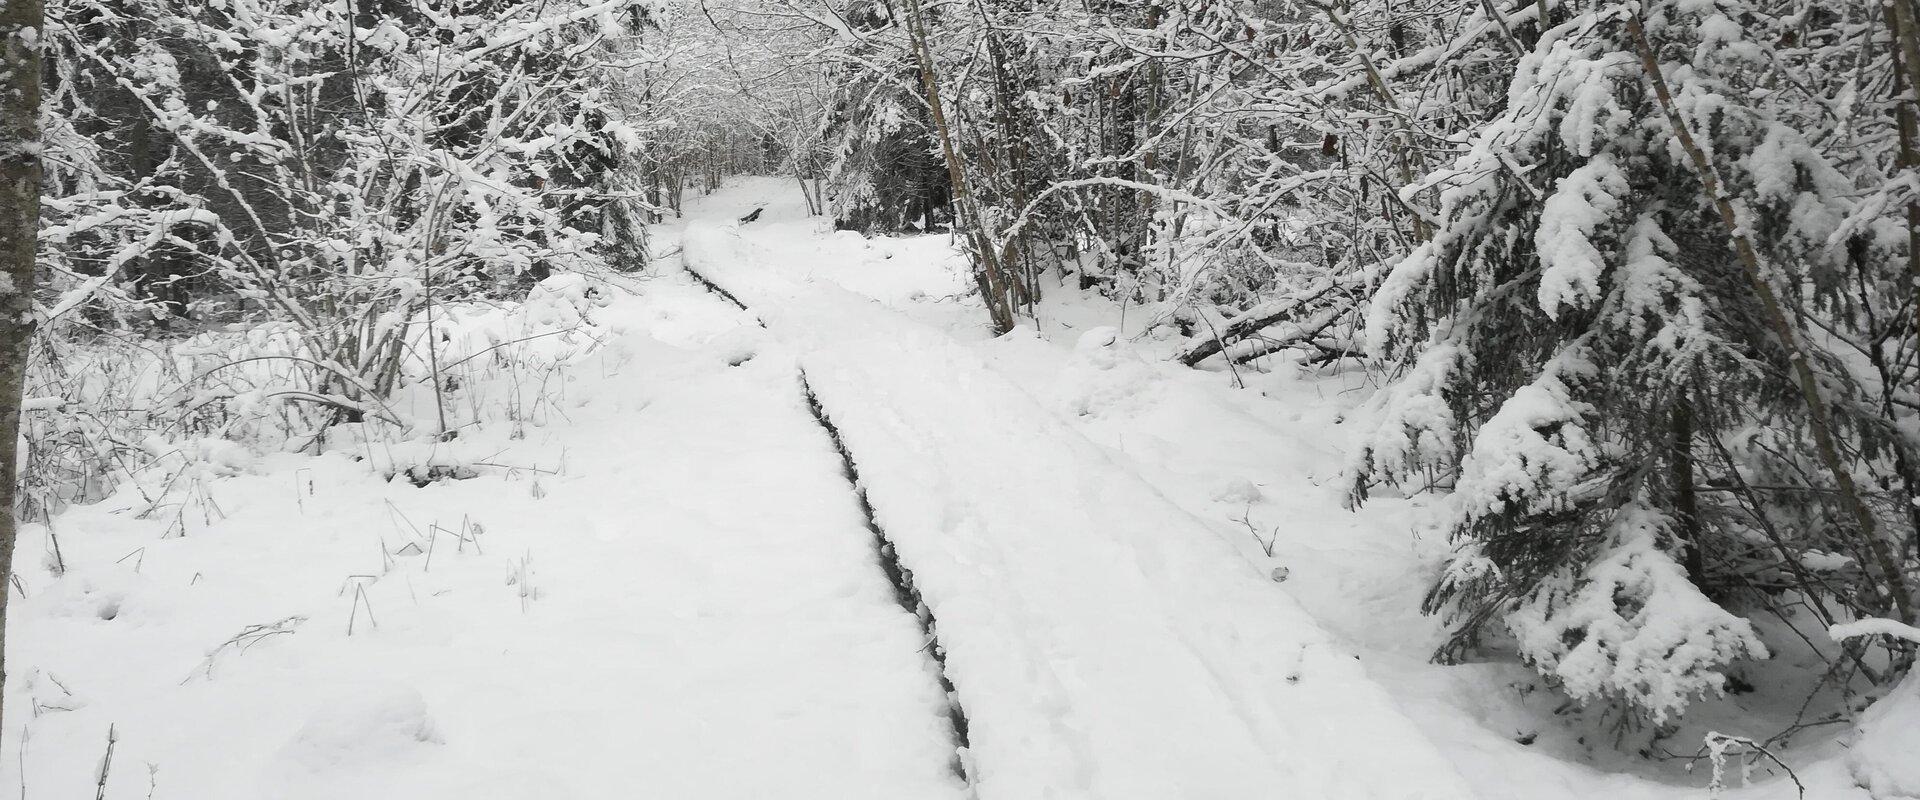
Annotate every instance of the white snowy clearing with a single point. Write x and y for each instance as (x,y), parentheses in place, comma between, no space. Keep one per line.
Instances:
(654,577)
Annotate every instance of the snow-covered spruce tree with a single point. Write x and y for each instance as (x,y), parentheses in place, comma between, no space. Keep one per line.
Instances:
(1591,358)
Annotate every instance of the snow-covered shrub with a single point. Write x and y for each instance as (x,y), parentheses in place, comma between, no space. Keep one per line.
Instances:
(563,301)
(1105,373)
(255,211)
(116,405)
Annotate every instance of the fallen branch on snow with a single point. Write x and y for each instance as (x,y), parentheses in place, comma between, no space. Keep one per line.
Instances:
(1267,315)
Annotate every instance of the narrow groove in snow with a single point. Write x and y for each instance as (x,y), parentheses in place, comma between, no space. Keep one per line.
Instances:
(898,575)
(902,579)
(711,286)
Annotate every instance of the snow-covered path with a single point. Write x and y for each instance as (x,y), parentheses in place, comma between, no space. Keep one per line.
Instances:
(719,628)
(1103,643)
(1077,519)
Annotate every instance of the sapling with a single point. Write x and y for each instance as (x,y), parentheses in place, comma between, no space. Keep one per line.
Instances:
(106,765)
(1719,747)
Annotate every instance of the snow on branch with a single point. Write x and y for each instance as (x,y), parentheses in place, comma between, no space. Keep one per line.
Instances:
(1874,626)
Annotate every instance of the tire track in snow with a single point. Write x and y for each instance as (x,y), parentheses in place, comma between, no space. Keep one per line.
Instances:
(885,554)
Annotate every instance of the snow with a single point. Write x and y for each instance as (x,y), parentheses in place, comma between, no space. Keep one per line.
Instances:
(1199,441)
(1820,561)
(694,610)
(1882,756)
(639,570)
(1570,264)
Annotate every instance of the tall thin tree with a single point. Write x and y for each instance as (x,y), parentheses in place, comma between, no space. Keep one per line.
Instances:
(21,26)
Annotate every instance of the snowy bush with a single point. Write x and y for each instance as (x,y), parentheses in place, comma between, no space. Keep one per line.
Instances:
(258,213)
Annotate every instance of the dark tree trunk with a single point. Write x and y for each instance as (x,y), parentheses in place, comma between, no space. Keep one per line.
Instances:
(19,225)
(1686,503)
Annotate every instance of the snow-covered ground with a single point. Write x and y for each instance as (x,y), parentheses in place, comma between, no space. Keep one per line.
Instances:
(655,579)
(669,593)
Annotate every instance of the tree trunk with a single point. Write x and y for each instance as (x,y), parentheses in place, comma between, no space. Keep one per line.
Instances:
(21,25)
(1906,83)
(988,275)
(1686,502)
(1015,255)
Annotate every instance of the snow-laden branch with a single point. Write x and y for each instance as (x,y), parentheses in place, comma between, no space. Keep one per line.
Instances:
(1874,626)
(546,25)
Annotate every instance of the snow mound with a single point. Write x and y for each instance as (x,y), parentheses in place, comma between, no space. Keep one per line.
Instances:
(1885,758)
(1238,491)
(377,723)
(219,456)
(353,744)
(563,301)
(1104,373)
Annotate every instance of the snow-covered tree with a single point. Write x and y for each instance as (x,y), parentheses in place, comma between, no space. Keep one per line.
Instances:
(1651,326)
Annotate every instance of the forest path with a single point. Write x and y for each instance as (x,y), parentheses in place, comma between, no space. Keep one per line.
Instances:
(1102,642)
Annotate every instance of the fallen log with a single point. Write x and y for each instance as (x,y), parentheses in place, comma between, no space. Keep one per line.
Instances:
(1306,334)
(1257,319)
